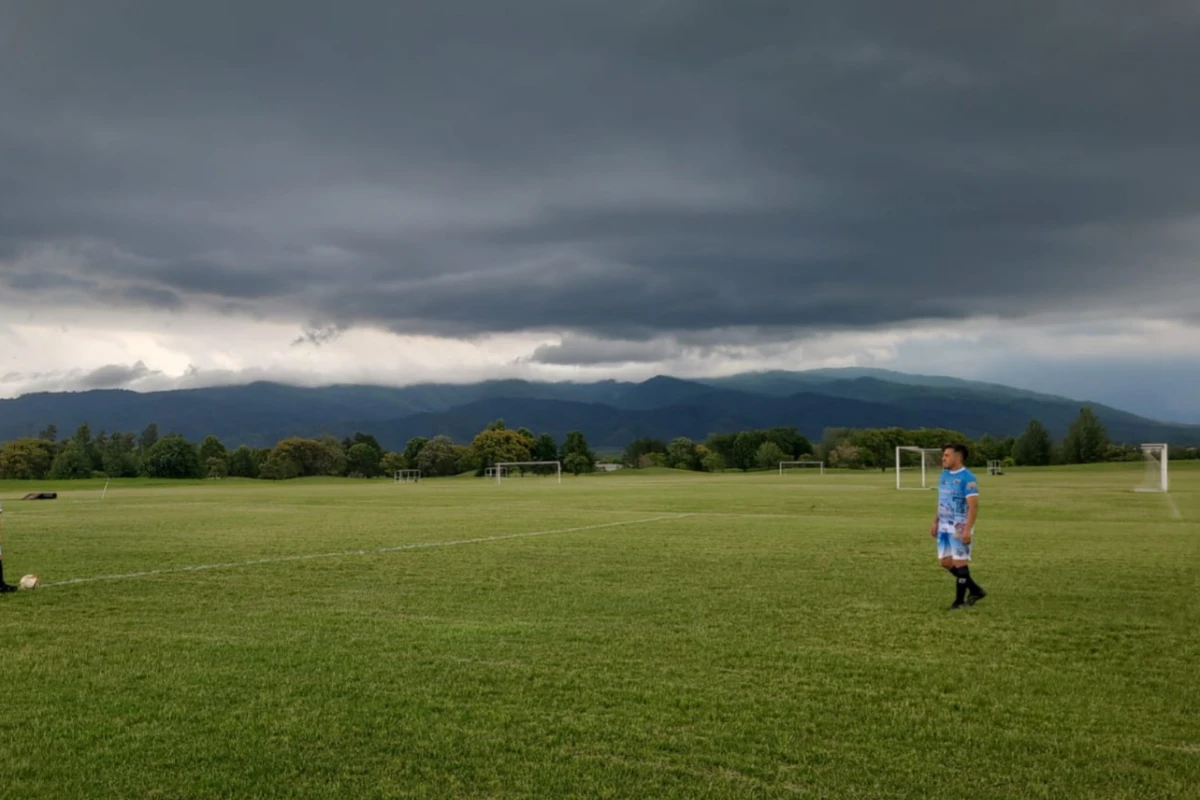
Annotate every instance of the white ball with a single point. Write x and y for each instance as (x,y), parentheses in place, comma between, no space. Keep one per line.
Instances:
(30,582)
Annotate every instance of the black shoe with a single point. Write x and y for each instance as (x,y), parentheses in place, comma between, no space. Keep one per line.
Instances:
(975,598)
(956,606)
(5,588)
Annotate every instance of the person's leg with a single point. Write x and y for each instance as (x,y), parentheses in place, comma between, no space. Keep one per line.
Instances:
(4,587)
(962,570)
(946,559)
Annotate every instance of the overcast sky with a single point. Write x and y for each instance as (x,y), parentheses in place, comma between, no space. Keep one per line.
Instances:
(389,191)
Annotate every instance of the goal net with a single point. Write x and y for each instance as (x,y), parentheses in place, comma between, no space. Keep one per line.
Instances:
(1154,476)
(917,467)
(505,469)
(407,475)
(817,467)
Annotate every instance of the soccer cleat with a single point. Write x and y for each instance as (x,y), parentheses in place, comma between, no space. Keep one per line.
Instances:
(956,606)
(5,588)
(973,598)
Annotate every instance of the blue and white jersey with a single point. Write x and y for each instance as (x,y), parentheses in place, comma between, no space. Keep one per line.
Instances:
(953,490)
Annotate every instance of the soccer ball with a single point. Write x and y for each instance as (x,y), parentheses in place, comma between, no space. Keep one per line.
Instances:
(30,582)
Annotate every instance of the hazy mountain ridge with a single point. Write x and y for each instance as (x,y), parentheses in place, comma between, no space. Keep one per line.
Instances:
(611,413)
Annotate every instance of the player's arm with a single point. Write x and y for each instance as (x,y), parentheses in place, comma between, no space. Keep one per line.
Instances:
(972,511)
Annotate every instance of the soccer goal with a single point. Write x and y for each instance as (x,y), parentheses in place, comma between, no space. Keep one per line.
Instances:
(917,467)
(810,466)
(1155,478)
(407,475)
(504,468)
(495,472)
(994,468)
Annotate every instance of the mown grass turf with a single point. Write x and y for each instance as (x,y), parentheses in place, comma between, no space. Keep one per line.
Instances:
(723,636)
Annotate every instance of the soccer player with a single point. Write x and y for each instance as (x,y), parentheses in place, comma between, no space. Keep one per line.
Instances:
(4,587)
(954,523)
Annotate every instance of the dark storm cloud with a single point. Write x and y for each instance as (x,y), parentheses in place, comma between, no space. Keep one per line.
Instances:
(622,169)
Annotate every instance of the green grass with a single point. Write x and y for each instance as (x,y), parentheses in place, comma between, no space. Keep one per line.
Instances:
(786,638)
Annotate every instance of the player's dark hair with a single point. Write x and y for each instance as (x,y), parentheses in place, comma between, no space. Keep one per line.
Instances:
(957,447)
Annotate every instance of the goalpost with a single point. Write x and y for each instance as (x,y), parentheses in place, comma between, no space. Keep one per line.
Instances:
(994,467)
(495,472)
(407,475)
(504,467)
(1155,478)
(917,460)
(818,465)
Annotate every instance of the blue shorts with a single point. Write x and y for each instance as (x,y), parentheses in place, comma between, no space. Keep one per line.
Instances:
(950,546)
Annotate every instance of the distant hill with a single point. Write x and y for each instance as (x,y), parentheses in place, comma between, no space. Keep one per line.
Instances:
(611,413)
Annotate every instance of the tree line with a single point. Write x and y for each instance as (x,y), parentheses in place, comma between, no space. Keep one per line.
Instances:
(1087,441)
(147,454)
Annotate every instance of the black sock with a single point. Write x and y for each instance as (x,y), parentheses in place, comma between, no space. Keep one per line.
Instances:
(960,586)
(965,572)
(2,583)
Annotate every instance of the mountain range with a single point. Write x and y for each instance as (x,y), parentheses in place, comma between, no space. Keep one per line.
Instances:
(610,413)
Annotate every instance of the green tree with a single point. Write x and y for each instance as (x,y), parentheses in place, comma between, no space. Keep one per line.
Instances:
(83,440)
(790,441)
(26,459)
(211,447)
(545,448)
(149,437)
(745,449)
(363,460)
(576,444)
(71,462)
(495,445)
(49,433)
(1033,448)
(713,462)
(173,457)
(242,463)
(769,455)
(281,465)
(117,458)
(391,463)
(217,467)
(638,448)
(438,457)
(412,451)
(1087,439)
(578,463)
(681,454)
(722,444)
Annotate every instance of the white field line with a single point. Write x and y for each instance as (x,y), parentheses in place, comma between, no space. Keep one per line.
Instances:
(1174,508)
(348,553)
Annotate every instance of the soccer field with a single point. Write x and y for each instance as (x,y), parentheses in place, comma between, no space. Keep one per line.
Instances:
(629,635)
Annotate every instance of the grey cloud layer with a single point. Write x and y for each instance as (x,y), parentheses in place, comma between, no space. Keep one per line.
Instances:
(622,169)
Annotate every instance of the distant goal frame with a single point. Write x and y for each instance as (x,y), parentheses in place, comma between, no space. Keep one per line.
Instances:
(1164,476)
(809,463)
(924,471)
(504,467)
(407,476)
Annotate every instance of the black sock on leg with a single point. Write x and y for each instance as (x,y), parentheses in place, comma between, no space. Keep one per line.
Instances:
(975,588)
(960,586)
(4,587)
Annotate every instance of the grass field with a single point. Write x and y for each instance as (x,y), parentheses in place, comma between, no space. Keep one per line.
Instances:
(641,636)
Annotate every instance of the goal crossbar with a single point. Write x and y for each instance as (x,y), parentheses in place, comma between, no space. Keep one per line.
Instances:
(504,467)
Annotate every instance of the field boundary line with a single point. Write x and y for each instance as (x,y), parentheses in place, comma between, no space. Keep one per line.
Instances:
(362,552)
